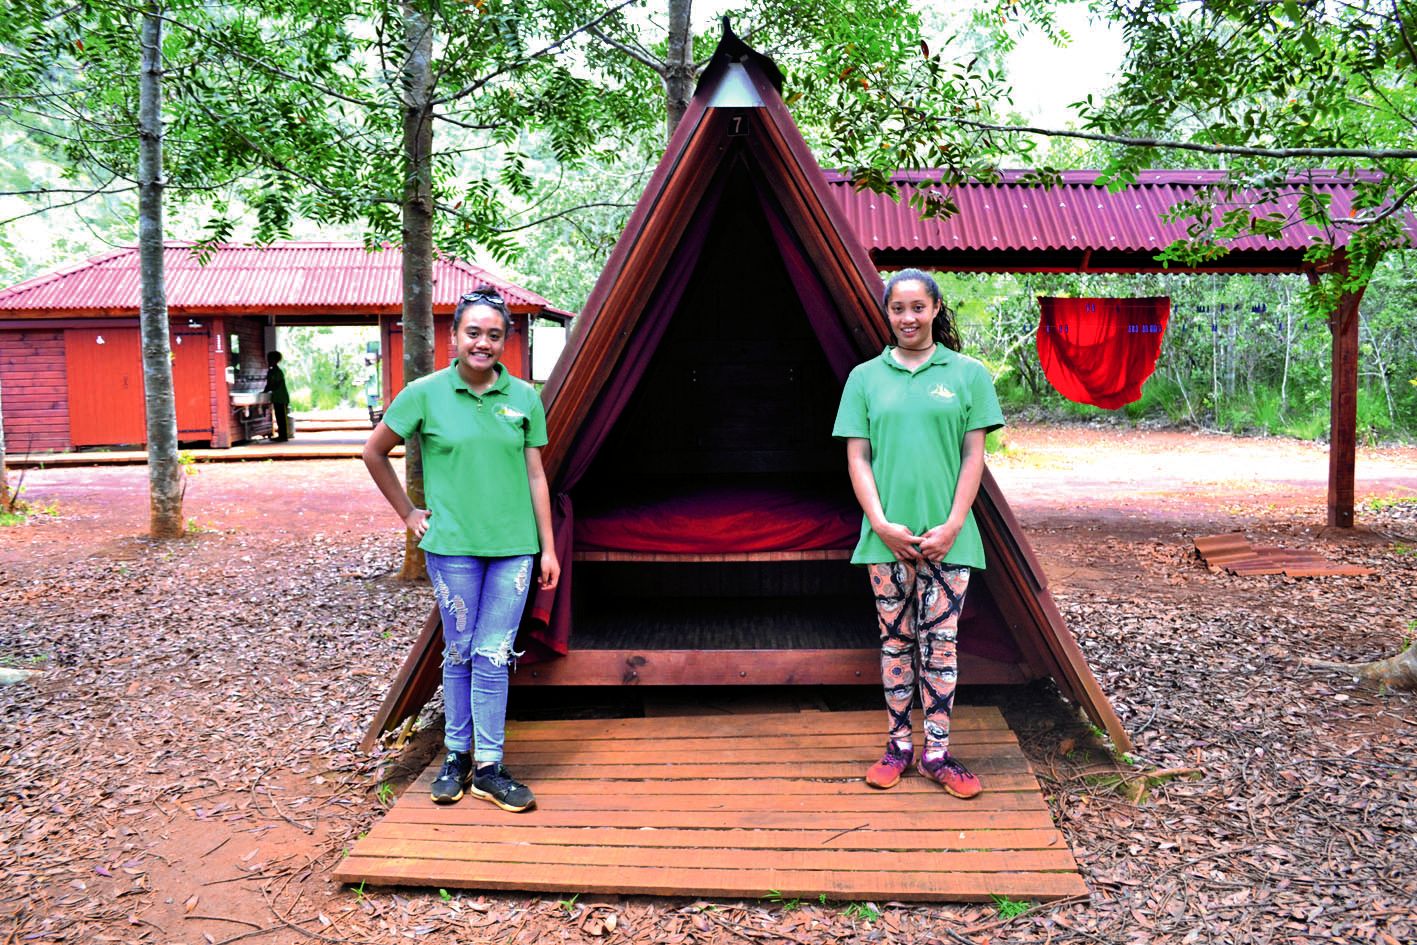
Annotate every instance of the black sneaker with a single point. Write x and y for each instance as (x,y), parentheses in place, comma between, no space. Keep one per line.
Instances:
(457,772)
(499,787)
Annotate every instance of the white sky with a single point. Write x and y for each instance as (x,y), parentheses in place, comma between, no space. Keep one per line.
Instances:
(1047,78)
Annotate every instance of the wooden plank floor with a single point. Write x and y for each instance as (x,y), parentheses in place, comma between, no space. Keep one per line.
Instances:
(732,807)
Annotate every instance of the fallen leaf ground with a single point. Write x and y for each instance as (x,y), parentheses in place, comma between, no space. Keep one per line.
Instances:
(184,767)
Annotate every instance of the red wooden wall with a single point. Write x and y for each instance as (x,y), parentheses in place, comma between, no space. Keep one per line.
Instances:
(105,367)
(192,382)
(105,386)
(35,391)
(65,388)
(516,357)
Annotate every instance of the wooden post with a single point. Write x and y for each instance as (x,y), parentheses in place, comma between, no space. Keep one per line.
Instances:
(1343,410)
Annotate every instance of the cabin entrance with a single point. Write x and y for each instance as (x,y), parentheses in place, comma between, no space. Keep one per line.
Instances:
(718,515)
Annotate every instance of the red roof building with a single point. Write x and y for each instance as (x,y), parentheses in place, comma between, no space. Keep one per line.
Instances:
(1078,225)
(69,351)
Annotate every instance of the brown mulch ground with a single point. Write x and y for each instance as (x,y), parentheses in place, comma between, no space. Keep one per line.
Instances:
(185,768)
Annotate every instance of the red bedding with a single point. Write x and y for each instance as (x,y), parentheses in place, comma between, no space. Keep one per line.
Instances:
(720,520)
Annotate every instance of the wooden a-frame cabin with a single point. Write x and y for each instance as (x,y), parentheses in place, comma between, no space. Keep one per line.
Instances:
(703,513)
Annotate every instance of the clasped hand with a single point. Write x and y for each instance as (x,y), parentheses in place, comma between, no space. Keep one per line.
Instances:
(907,546)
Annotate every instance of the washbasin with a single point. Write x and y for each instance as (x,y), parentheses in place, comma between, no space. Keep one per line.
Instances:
(248,398)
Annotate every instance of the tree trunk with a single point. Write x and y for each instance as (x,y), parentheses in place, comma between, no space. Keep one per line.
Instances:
(164,471)
(1382,367)
(678,65)
(1395,672)
(1288,346)
(418,341)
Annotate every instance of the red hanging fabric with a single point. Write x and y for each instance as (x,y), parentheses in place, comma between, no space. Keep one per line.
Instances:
(1101,351)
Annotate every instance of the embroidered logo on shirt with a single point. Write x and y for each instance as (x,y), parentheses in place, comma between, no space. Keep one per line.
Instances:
(943,392)
(510,413)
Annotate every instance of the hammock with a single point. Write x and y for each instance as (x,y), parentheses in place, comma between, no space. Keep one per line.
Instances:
(1101,351)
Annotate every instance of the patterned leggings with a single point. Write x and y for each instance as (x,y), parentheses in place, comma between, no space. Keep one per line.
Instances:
(918,608)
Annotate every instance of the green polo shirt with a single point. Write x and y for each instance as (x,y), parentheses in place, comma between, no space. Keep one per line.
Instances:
(474,464)
(916,423)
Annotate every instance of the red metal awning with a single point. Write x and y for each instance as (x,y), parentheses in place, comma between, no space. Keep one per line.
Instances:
(300,277)
(1010,225)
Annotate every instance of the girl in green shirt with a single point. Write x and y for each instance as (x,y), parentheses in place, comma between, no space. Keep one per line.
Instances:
(488,518)
(914,420)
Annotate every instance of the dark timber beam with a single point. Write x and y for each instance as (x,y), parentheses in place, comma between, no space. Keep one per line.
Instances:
(1343,410)
(1343,397)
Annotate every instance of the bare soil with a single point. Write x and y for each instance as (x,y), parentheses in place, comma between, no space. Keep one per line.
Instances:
(184,768)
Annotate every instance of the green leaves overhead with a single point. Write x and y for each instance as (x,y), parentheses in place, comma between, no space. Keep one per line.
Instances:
(1271,90)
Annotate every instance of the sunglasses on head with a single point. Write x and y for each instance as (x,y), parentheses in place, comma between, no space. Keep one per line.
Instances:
(480,295)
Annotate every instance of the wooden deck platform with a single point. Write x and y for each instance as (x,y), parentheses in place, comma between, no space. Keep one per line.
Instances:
(732,807)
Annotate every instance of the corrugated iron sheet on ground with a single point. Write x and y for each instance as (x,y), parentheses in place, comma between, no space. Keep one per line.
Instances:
(1233,552)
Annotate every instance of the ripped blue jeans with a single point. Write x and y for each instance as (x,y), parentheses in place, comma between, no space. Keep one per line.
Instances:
(481,600)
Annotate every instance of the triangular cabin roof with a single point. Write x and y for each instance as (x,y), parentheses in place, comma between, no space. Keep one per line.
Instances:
(737,120)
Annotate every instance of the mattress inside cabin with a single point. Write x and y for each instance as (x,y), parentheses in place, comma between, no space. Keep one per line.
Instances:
(718,518)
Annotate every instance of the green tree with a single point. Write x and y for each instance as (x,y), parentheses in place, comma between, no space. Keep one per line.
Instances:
(165,473)
(484,74)
(572,220)
(1269,89)
(131,98)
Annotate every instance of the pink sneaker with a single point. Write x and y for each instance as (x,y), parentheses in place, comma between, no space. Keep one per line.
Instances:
(951,775)
(886,772)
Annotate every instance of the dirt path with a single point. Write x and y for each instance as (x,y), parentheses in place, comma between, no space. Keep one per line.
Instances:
(185,768)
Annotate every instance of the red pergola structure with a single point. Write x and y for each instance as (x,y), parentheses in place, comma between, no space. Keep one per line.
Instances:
(1082,226)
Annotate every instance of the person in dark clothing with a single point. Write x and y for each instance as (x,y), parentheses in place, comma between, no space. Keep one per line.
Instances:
(280,396)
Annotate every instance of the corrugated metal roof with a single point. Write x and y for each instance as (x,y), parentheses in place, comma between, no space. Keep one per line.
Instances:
(1074,216)
(283,277)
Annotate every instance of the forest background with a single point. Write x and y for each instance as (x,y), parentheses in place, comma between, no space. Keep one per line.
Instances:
(1242,354)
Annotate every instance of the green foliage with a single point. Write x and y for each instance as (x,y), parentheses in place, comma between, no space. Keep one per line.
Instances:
(861,911)
(326,367)
(1010,908)
(788,904)
(1241,354)
(17,511)
(996,443)
(823,50)
(385,794)
(28,661)
(1269,91)
(1386,502)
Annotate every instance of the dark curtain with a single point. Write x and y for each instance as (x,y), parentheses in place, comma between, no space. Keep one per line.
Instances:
(546,632)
